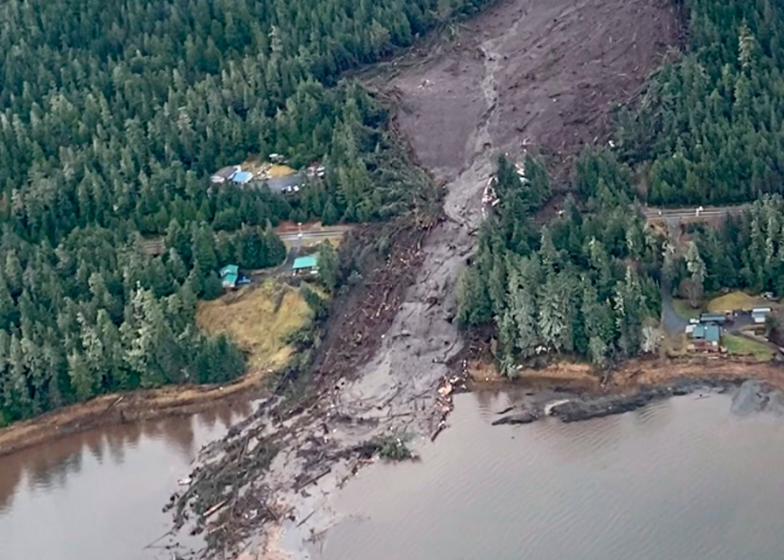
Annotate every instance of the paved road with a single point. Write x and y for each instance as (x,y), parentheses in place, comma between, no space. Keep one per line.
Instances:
(319,234)
(671,321)
(690,213)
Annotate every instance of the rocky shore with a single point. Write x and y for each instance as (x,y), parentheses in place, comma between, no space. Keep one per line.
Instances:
(750,396)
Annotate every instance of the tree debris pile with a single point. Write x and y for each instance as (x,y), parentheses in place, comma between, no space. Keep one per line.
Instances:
(225,499)
(444,404)
(387,261)
(296,439)
(392,447)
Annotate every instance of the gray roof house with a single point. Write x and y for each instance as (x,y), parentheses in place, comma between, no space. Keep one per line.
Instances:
(225,174)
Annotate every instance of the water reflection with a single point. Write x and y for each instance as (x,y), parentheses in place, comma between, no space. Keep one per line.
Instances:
(110,482)
(682,478)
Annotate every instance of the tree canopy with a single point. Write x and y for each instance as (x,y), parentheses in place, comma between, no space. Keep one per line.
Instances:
(582,285)
(112,117)
(712,121)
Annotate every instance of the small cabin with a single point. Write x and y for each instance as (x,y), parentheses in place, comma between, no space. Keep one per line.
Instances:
(225,174)
(305,265)
(707,333)
(706,337)
(231,277)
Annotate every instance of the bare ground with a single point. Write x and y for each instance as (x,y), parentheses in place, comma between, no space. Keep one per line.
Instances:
(535,74)
(631,375)
(526,74)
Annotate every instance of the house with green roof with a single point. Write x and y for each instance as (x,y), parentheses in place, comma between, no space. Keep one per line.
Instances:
(229,275)
(708,333)
(307,264)
(705,336)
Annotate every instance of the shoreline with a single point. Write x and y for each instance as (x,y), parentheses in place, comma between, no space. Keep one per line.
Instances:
(630,386)
(118,408)
(372,382)
(570,392)
(627,376)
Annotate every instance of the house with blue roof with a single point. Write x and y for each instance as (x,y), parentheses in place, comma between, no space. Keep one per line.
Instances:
(706,333)
(242,177)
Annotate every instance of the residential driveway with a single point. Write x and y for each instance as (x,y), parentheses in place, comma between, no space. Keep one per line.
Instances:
(671,321)
(277,184)
(742,320)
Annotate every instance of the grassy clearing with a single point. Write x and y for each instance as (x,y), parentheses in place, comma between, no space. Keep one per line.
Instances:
(276,170)
(733,301)
(742,346)
(684,309)
(259,319)
(266,168)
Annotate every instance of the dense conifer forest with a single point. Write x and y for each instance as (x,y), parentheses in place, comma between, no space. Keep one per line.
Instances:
(708,129)
(112,117)
(582,285)
(747,253)
(711,123)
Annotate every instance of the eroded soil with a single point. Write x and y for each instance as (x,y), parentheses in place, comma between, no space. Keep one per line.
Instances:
(525,74)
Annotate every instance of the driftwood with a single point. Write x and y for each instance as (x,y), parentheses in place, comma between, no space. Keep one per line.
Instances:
(311,479)
(214,509)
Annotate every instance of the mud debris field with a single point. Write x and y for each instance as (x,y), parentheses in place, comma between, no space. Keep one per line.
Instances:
(530,73)
(541,75)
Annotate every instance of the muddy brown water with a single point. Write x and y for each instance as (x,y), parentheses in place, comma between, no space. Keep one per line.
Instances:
(681,479)
(98,495)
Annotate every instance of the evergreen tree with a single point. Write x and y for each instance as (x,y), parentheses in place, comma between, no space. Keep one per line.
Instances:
(330,214)
(276,249)
(253,251)
(328,266)
(474,307)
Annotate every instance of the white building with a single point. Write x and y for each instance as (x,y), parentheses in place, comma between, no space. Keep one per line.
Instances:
(759,314)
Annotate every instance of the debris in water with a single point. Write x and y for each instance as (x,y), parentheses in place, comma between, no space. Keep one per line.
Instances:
(549,407)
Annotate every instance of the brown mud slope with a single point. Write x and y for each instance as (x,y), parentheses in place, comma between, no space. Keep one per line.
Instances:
(538,74)
(530,72)
(113,409)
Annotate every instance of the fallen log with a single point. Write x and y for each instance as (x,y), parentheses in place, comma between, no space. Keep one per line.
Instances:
(214,509)
(311,479)
(516,419)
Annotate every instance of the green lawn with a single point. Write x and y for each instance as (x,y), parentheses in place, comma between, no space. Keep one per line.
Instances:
(685,310)
(742,346)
